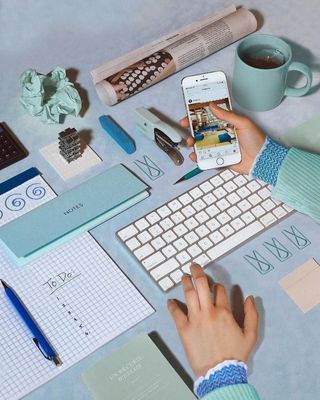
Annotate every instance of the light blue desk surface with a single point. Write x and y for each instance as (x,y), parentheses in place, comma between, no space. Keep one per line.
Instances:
(80,35)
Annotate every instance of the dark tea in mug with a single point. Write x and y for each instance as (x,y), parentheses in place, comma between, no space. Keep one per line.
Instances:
(263,57)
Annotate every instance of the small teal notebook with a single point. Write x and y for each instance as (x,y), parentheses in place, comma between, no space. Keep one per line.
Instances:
(75,211)
(137,371)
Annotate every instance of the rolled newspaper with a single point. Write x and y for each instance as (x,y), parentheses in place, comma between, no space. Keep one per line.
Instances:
(130,74)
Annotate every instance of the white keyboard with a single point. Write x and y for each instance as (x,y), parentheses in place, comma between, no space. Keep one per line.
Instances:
(201,225)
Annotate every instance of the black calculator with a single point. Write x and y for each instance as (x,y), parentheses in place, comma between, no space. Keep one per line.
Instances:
(11,150)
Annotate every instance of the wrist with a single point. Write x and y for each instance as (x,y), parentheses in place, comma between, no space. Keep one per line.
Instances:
(229,372)
(268,162)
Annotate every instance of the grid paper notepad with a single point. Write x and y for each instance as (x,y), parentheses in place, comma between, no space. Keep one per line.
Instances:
(78,296)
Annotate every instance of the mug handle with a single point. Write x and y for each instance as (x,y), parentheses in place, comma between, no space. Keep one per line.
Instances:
(306,71)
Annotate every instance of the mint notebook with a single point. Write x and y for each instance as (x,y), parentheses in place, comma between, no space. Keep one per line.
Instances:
(137,371)
(75,211)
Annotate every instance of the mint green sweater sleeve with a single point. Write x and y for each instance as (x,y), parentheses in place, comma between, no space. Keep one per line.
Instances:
(298,182)
(233,392)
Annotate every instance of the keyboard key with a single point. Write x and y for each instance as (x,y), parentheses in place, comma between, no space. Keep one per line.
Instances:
(205,243)
(144,237)
(169,236)
(268,205)
(180,244)
(223,218)
(174,205)
(202,231)
(191,223)
(234,240)
(244,205)
(230,186)
(237,224)
(166,283)
(142,224)
(227,174)
(127,232)
(158,243)
(196,193)
(234,212)
(155,230)
(279,212)
(199,205)
(176,276)
(164,211)
(185,199)
(268,219)
(188,211)
(209,198)
(254,199)
(202,260)
(243,192)
(264,193)
(253,186)
(186,269)
(258,211)
(233,198)
(194,250)
(143,251)
(180,230)
(183,257)
(213,224)
(153,218)
(222,204)
(202,217)
(216,237)
(153,260)
(216,181)
(169,251)
(240,180)
(212,210)
(247,217)
(219,193)
(191,237)
(177,217)
(133,243)
(206,187)
(166,223)
(227,230)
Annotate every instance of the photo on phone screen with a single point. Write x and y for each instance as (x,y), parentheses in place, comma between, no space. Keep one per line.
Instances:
(216,141)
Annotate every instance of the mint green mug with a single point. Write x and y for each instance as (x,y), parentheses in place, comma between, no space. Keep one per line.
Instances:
(261,84)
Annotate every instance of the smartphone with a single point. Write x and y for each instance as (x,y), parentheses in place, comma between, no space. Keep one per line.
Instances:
(216,143)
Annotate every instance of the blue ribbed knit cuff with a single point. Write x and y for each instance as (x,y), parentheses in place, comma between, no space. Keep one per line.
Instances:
(268,162)
(230,373)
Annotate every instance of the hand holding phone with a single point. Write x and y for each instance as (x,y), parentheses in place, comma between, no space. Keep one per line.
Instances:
(216,143)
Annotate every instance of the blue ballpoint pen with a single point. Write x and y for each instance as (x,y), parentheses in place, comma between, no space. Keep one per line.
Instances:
(39,338)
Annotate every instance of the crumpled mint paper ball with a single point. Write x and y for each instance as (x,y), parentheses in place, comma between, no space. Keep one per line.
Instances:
(49,96)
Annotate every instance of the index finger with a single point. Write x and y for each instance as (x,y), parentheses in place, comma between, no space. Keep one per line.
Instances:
(202,286)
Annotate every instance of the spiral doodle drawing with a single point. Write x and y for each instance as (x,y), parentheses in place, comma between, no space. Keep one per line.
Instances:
(15,202)
(35,191)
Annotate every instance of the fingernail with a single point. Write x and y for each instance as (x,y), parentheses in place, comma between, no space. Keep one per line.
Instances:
(251,298)
(169,301)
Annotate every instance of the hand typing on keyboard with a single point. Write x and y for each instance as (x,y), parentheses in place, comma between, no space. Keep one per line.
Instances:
(250,137)
(208,330)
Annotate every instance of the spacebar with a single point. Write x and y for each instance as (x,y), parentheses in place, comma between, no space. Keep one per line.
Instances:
(233,241)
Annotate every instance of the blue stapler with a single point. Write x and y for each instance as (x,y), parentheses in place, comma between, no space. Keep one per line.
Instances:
(165,136)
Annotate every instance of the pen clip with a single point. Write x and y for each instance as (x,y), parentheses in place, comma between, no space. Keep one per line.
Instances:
(54,358)
(36,342)
(168,146)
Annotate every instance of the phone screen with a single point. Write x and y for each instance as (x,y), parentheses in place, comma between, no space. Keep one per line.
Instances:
(213,137)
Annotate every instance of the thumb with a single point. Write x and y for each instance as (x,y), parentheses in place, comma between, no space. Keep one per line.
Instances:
(228,116)
(250,324)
